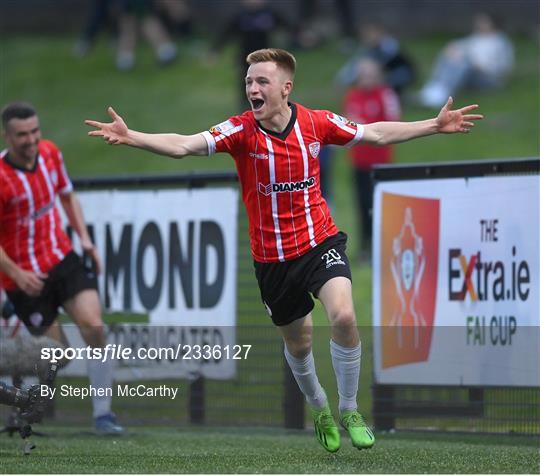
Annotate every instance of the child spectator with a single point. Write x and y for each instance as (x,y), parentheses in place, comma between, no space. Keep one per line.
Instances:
(370,100)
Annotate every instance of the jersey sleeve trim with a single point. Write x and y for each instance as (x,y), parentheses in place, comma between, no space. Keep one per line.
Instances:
(338,121)
(210,141)
(66,190)
(357,136)
(219,133)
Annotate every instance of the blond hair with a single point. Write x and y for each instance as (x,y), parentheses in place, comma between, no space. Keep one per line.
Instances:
(281,58)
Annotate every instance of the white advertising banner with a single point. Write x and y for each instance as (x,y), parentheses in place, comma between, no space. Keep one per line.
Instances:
(455,281)
(169,254)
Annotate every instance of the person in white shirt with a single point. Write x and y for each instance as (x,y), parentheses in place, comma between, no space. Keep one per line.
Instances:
(482,60)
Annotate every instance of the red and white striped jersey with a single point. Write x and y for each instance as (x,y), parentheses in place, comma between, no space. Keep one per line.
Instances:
(279,175)
(31,231)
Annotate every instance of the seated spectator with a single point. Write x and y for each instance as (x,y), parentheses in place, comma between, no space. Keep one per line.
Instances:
(379,45)
(481,60)
(252,26)
(141,14)
(102,13)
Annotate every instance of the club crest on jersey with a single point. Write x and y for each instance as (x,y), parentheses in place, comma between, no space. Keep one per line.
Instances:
(222,127)
(280,187)
(314,149)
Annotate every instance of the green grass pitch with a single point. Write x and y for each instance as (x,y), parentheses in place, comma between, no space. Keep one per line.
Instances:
(251,450)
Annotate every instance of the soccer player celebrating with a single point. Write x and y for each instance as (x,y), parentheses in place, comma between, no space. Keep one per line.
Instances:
(297,248)
(38,268)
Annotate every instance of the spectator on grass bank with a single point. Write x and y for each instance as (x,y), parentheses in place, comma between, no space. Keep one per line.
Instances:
(369,100)
(482,60)
(312,27)
(142,14)
(173,14)
(381,46)
(176,15)
(252,27)
(103,13)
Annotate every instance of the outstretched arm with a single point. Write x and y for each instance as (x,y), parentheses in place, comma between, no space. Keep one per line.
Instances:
(172,145)
(447,122)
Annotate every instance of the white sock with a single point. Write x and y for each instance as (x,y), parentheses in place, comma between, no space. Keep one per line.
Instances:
(100,375)
(306,378)
(346,362)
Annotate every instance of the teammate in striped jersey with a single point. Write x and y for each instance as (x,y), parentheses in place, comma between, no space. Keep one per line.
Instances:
(297,248)
(38,268)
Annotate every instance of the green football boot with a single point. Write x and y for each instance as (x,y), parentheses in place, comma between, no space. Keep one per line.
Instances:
(361,435)
(326,429)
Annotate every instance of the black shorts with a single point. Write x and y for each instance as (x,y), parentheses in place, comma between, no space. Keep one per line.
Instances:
(67,279)
(286,286)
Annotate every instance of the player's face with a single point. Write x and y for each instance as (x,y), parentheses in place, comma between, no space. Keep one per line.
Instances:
(267,89)
(22,138)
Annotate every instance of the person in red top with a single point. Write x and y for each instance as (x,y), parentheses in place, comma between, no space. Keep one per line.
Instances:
(38,268)
(297,249)
(371,100)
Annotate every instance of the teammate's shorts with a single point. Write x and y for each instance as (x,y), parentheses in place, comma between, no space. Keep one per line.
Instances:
(67,279)
(286,286)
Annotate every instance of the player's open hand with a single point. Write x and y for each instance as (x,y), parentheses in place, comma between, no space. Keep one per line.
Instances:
(115,132)
(449,122)
(90,249)
(30,283)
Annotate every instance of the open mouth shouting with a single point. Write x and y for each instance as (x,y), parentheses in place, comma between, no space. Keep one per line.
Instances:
(257,104)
